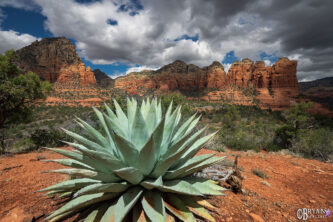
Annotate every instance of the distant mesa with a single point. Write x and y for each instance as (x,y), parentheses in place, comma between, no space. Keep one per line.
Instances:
(276,86)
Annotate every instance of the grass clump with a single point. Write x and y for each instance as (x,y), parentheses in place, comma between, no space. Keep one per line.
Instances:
(259,173)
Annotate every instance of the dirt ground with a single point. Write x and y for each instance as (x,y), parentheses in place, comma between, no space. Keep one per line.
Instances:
(292,183)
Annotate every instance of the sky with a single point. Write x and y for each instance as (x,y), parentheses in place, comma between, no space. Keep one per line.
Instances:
(121,36)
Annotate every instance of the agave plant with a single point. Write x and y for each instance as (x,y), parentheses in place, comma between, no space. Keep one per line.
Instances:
(140,168)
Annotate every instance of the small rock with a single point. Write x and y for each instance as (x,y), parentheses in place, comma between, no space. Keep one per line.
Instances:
(256,218)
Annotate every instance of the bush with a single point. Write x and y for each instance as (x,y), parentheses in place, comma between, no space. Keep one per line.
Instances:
(259,173)
(284,135)
(23,145)
(314,143)
(48,138)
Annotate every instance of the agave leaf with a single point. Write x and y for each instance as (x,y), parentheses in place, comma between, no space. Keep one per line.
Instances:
(150,117)
(203,186)
(168,112)
(65,194)
(103,188)
(106,130)
(100,139)
(118,211)
(153,206)
(146,160)
(97,214)
(99,160)
(151,183)
(63,216)
(158,111)
(71,163)
(195,147)
(116,126)
(177,207)
(131,110)
(71,184)
(197,209)
(201,166)
(187,131)
(139,131)
(110,178)
(127,150)
(204,203)
(139,214)
(88,143)
(164,165)
(158,138)
(180,132)
(175,146)
(186,166)
(75,172)
(120,114)
(169,218)
(169,127)
(130,174)
(187,145)
(178,116)
(172,186)
(82,202)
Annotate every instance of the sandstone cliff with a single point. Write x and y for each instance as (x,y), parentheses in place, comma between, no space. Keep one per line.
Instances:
(55,60)
(246,82)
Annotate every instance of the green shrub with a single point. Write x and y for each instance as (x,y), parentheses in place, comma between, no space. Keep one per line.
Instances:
(23,145)
(316,143)
(48,138)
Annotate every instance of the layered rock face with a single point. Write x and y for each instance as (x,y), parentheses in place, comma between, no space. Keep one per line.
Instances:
(55,59)
(175,76)
(102,79)
(275,86)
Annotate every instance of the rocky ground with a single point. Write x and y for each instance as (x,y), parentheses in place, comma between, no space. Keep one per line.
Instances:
(291,183)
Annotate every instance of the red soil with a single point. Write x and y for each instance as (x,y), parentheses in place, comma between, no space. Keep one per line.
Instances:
(294,183)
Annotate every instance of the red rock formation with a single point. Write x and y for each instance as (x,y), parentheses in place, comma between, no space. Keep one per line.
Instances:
(275,86)
(240,73)
(76,75)
(54,59)
(216,76)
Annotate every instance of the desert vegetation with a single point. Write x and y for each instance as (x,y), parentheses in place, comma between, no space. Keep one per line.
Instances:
(239,127)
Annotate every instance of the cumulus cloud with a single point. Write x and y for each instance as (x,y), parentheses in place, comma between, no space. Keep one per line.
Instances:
(143,32)
(14,40)
(140,68)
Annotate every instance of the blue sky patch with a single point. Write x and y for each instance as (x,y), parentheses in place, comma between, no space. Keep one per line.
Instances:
(112,22)
(24,21)
(133,7)
(271,57)
(230,58)
(111,70)
(194,38)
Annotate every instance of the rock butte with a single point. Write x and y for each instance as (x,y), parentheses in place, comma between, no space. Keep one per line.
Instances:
(275,87)
(55,60)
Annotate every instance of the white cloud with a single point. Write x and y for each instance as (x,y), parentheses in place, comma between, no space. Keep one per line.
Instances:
(146,39)
(226,67)
(140,68)
(14,40)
